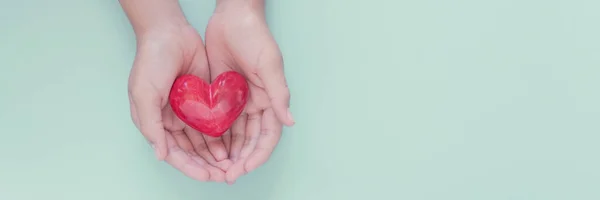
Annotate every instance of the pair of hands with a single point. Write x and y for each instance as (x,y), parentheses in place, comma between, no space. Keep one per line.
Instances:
(237,38)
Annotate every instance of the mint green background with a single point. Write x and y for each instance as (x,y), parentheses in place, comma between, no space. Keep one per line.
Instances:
(428,99)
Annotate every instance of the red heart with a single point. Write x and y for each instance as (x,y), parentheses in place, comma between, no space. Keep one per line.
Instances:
(209,108)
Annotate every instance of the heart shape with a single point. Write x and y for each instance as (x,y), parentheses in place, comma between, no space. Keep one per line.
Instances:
(209,108)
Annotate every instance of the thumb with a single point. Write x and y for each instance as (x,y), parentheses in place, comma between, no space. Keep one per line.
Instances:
(147,100)
(154,69)
(147,105)
(273,78)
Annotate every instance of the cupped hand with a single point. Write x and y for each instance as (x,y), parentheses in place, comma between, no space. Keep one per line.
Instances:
(161,57)
(238,38)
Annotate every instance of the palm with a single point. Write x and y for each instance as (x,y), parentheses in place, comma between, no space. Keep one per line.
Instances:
(246,46)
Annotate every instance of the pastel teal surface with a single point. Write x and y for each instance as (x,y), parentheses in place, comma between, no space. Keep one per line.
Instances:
(432,99)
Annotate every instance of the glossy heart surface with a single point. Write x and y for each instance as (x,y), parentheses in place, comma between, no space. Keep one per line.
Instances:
(209,108)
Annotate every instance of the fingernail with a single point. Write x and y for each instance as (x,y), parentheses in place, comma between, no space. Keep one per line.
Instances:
(289,115)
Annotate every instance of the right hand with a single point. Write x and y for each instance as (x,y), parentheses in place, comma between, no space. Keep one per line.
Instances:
(161,57)
(238,38)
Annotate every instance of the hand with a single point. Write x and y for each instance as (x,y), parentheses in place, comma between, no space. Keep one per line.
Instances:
(163,55)
(238,38)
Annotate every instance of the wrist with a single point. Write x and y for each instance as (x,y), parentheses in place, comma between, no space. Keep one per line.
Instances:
(255,6)
(161,32)
(162,26)
(151,16)
(166,37)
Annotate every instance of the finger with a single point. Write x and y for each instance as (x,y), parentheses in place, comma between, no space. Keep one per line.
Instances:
(237,137)
(227,140)
(183,142)
(270,134)
(201,148)
(251,137)
(215,174)
(199,144)
(181,161)
(234,172)
(148,111)
(252,133)
(258,100)
(227,162)
(272,75)
(216,147)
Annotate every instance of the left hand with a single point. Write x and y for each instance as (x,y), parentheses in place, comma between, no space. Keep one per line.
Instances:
(163,53)
(238,38)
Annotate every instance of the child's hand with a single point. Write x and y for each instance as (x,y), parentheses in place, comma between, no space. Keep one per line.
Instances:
(161,57)
(238,38)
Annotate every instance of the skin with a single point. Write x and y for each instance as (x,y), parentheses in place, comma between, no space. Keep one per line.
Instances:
(237,38)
